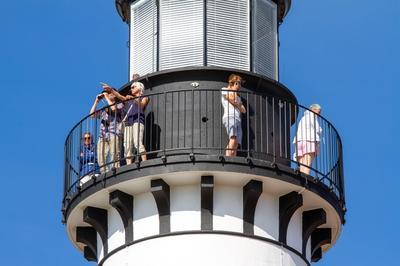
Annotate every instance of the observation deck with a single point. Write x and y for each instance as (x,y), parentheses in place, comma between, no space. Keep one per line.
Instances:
(185,143)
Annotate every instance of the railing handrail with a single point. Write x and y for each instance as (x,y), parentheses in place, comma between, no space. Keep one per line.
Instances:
(183,90)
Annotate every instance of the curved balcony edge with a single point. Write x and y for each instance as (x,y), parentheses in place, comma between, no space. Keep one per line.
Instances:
(181,163)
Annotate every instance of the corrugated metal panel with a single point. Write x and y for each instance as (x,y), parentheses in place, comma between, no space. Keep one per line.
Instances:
(181,33)
(265,38)
(143,51)
(228,34)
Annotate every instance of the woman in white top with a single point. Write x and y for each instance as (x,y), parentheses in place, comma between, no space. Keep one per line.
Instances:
(233,108)
(307,138)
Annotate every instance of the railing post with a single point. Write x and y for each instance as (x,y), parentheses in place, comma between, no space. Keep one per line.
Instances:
(165,123)
(315,141)
(295,136)
(192,148)
(248,124)
(273,132)
(221,125)
(280,104)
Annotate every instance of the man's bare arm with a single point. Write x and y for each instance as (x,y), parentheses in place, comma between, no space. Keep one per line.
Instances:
(93,109)
(115,92)
(143,102)
(232,96)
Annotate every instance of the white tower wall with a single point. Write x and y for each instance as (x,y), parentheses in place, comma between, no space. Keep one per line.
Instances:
(206,249)
(145,218)
(267,225)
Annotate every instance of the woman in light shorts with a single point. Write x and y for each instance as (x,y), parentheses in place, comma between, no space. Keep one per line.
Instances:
(307,138)
(233,108)
(133,120)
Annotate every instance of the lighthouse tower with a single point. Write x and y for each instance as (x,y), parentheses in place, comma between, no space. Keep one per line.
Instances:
(189,203)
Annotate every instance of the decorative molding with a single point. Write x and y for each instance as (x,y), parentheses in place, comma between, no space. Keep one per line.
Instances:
(251,193)
(311,220)
(320,237)
(161,194)
(288,205)
(98,218)
(204,163)
(123,203)
(207,202)
(87,236)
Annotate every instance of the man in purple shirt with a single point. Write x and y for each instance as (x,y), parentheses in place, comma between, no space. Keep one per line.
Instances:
(108,147)
(133,120)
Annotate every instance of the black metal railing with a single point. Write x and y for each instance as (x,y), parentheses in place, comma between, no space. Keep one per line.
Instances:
(190,122)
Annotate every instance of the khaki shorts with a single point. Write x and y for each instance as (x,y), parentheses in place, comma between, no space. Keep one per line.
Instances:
(133,139)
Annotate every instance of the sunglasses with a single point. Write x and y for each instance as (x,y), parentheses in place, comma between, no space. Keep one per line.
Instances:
(238,83)
(87,138)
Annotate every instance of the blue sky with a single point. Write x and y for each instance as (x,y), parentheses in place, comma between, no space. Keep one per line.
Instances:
(342,54)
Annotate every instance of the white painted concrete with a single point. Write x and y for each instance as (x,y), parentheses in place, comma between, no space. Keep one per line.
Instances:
(116,230)
(295,229)
(228,208)
(266,220)
(100,248)
(145,216)
(308,249)
(185,208)
(204,249)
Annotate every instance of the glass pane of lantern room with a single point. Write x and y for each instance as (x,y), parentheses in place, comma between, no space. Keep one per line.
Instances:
(265,38)
(228,34)
(181,33)
(143,46)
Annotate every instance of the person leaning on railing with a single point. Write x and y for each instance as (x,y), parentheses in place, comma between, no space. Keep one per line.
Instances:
(87,159)
(108,142)
(133,120)
(307,138)
(233,108)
